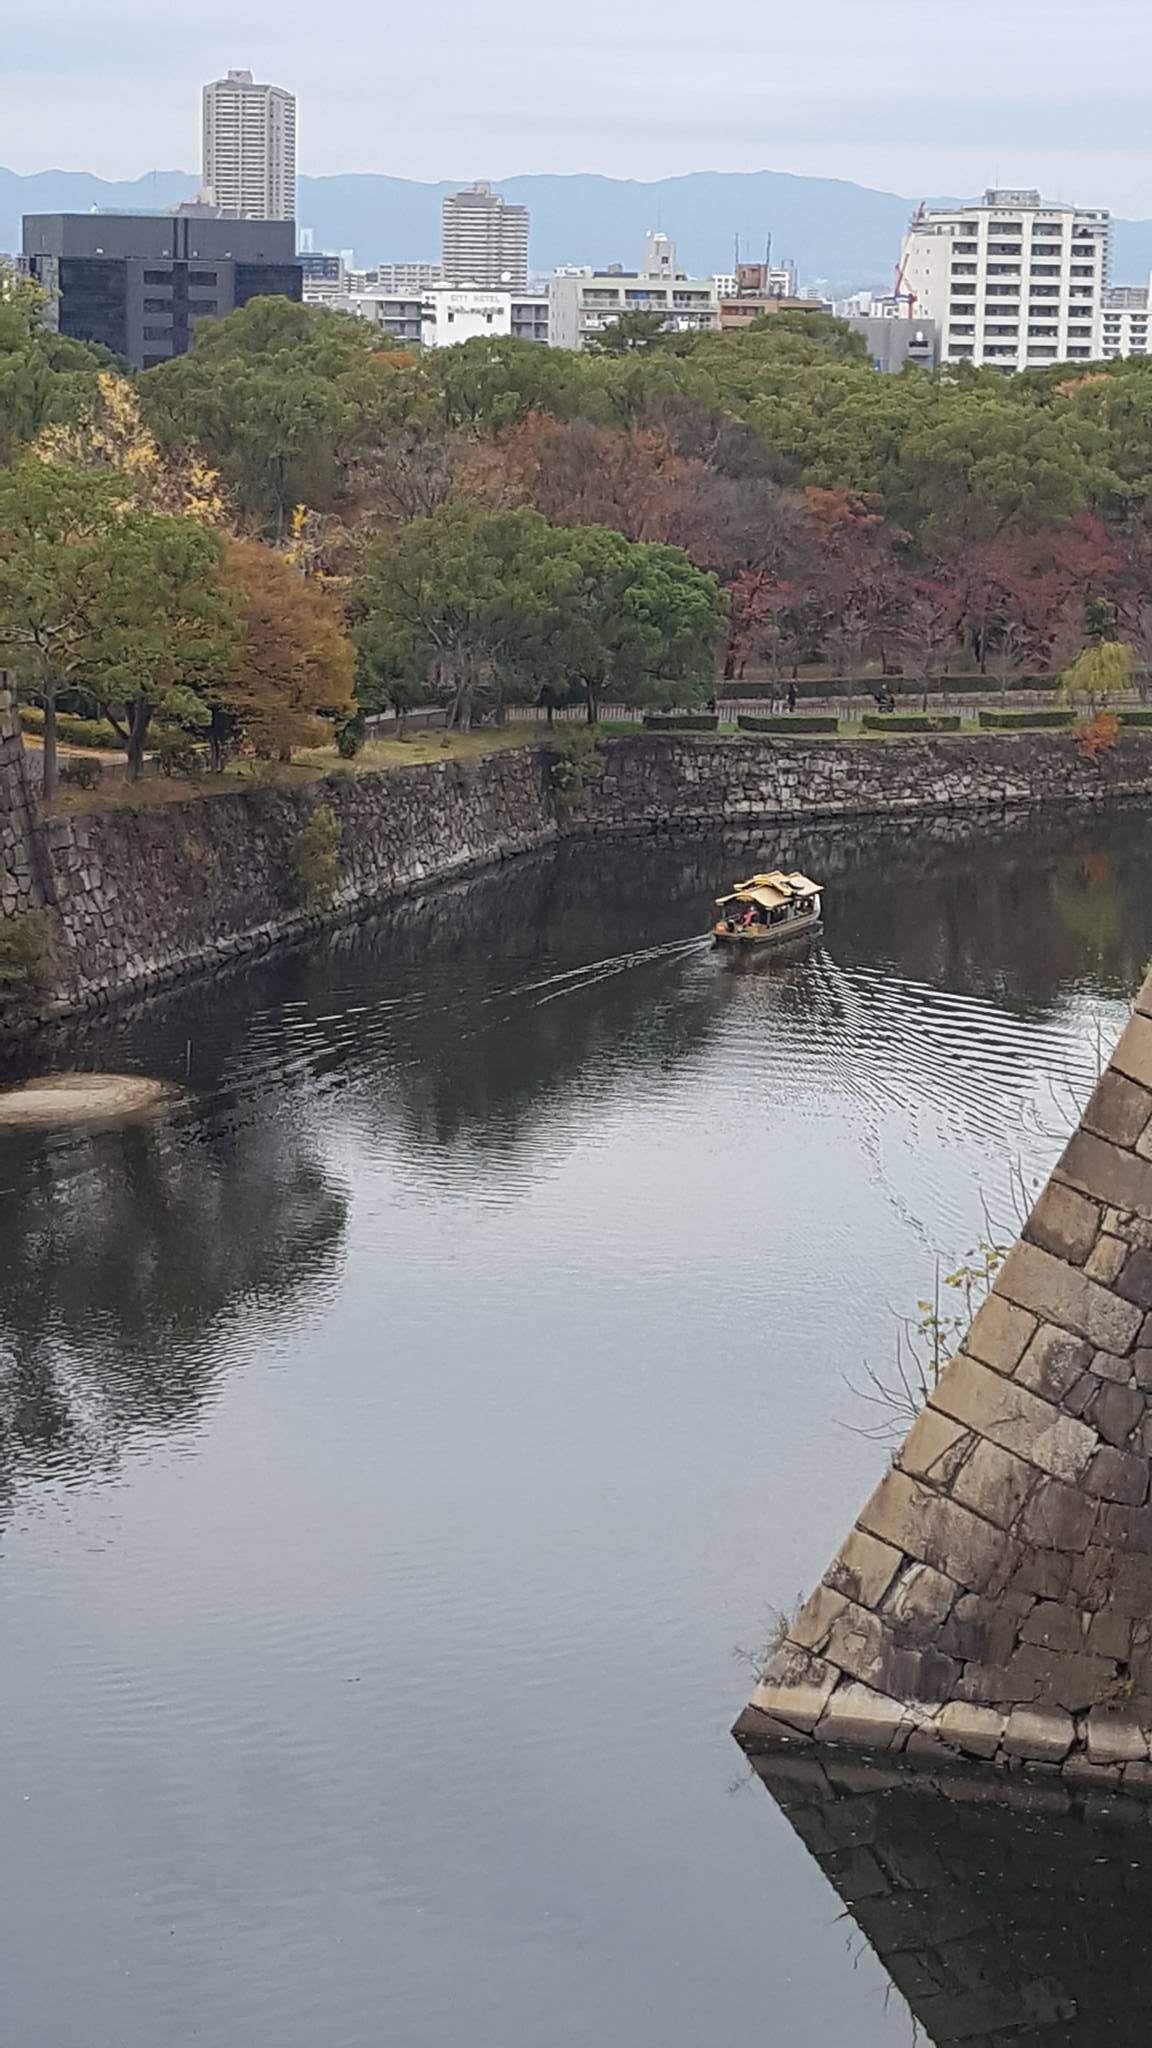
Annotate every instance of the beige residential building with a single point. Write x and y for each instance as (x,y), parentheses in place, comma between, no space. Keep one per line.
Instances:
(250,148)
(485,241)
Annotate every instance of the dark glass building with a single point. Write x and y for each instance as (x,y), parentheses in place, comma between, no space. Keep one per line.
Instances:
(139,283)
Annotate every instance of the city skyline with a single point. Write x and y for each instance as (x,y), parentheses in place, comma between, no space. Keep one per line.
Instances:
(855,94)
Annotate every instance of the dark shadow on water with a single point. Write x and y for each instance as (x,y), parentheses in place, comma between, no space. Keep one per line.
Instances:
(1008,1914)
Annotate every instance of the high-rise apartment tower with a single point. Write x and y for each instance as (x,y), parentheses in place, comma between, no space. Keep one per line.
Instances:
(250,148)
(485,241)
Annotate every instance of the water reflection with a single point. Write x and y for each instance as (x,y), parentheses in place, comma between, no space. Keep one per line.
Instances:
(1008,1915)
(132,1260)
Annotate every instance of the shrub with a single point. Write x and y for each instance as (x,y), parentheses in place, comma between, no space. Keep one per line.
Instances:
(350,737)
(681,721)
(79,732)
(27,957)
(909,721)
(182,757)
(314,859)
(576,759)
(1023,721)
(1135,717)
(789,721)
(80,773)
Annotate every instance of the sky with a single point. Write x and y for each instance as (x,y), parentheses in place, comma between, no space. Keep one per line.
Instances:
(901,94)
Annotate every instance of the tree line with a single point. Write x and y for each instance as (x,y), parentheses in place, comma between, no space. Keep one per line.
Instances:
(296,522)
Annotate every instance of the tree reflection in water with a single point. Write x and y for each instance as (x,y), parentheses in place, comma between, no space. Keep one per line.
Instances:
(133,1259)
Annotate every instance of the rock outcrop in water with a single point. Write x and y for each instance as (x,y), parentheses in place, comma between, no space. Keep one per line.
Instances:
(994,1600)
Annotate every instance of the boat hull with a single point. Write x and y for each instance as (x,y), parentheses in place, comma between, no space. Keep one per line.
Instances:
(767,938)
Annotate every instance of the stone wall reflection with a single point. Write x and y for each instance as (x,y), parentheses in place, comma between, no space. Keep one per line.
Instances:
(1007,1915)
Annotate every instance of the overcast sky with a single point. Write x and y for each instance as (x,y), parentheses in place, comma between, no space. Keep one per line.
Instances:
(913,97)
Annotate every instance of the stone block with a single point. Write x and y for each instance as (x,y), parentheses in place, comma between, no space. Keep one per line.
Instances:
(795,1688)
(1144,999)
(995,1483)
(1103,1170)
(1117,1475)
(1116,1411)
(939,1532)
(975,1730)
(919,1602)
(1059,1293)
(1009,1415)
(1127,1529)
(1135,1281)
(981,1631)
(1056,1627)
(1118,1109)
(1133,1055)
(1114,1737)
(1041,1737)
(931,1438)
(813,1625)
(864,1569)
(861,1718)
(1106,1260)
(1141,1364)
(1064,1222)
(999,1334)
(1053,1362)
(1055,1678)
(1109,1635)
(1107,1366)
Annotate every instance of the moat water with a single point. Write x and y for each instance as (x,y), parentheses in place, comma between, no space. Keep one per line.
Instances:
(402,1436)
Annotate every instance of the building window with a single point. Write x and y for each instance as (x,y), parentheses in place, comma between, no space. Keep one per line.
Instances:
(1044,349)
(157,305)
(1080,333)
(1003,270)
(1004,248)
(204,309)
(1047,270)
(1080,353)
(157,277)
(961,327)
(158,334)
(202,277)
(1081,270)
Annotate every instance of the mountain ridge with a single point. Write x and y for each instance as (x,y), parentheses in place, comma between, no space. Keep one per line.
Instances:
(844,235)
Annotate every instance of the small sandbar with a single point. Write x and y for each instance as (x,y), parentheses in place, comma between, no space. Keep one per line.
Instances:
(80,1099)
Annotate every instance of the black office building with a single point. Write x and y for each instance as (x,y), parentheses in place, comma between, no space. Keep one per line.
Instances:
(139,283)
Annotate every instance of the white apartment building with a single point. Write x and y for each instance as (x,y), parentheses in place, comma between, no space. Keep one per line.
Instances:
(1124,321)
(1011,281)
(447,314)
(586,301)
(250,148)
(405,280)
(484,240)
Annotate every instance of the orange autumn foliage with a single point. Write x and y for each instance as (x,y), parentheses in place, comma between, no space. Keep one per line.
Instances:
(292,675)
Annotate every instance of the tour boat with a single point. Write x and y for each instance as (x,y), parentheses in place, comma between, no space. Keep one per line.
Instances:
(768,909)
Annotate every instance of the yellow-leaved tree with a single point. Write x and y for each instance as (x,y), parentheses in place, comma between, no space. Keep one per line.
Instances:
(110,434)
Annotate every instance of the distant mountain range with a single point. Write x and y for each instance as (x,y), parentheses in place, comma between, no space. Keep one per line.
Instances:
(844,235)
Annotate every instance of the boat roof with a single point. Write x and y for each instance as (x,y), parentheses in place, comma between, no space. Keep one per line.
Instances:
(771,890)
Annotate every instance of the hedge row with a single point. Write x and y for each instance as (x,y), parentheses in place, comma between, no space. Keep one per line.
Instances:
(1023,721)
(673,721)
(79,732)
(1135,717)
(910,721)
(790,721)
(901,686)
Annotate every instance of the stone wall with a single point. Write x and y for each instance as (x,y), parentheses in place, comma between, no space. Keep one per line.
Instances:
(994,1599)
(23,880)
(143,896)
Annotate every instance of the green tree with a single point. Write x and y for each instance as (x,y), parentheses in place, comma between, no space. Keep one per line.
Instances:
(630,334)
(54,527)
(45,377)
(279,397)
(1101,670)
(632,620)
(165,629)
